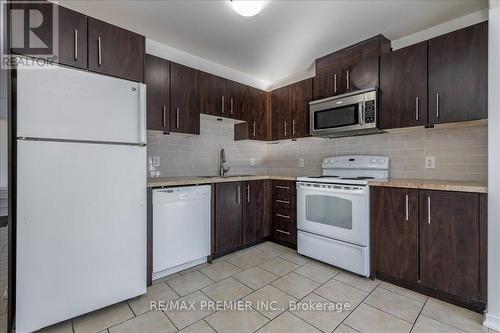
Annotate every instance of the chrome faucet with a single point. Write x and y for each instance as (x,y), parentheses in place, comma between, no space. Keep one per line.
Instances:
(222,160)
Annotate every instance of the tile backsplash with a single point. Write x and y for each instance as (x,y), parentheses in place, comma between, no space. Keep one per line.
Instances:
(460,153)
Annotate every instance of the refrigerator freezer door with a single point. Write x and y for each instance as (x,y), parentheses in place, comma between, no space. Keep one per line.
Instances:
(81,229)
(69,104)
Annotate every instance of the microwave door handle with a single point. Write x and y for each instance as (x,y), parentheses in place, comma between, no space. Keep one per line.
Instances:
(361,113)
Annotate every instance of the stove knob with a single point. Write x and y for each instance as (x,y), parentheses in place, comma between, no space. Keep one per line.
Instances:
(381,161)
(373,160)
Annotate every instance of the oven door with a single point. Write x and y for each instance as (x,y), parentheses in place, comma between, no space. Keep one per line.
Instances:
(335,211)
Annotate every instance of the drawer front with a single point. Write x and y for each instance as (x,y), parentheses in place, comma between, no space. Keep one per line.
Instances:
(285,232)
(284,215)
(284,190)
(289,204)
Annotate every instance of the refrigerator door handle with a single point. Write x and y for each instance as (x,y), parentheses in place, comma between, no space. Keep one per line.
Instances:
(142,113)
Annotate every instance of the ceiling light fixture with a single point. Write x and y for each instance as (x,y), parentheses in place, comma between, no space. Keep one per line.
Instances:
(247,8)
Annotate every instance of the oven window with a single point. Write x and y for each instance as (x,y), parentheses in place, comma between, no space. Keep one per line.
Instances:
(329,210)
(336,117)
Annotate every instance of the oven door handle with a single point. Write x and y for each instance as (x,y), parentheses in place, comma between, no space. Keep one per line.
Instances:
(314,190)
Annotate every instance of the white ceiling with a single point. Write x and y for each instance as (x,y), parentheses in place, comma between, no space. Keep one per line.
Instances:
(284,39)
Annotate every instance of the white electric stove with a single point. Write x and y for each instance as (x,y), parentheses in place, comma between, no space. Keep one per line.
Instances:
(333,211)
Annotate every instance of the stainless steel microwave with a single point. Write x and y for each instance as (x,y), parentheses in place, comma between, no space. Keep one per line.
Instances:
(353,113)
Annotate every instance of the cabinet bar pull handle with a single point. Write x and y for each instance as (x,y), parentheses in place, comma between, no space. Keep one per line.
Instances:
(417,108)
(335,83)
(282,187)
(164,116)
(282,232)
(293,127)
(429,210)
(99,50)
(232,106)
(177,118)
(348,83)
(238,195)
(283,216)
(76,44)
(437,105)
(222,105)
(285,128)
(283,201)
(254,129)
(407,208)
(248,193)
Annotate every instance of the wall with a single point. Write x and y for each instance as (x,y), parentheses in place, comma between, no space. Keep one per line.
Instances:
(493,314)
(461,153)
(182,155)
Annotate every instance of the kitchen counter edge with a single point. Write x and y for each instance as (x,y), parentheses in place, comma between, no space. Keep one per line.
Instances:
(430,184)
(181,181)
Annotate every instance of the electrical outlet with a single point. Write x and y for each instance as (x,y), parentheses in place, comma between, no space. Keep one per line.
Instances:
(301,162)
(156,161)
(252,161)
(430,162)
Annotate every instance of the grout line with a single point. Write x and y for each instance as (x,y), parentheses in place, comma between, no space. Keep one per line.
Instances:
(133,312)
(419,313)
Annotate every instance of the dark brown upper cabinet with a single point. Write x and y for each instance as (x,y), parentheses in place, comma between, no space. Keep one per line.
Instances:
(300,94)
(237,100)
(353,68)
(449,243)
(72,27)
(280,113)
(396,218)
(257,114)
(184,106)
(115,51)
(458,75)
(290,110)
(256,210)
(228,216)
(157,79)
(403,87)
(212,99)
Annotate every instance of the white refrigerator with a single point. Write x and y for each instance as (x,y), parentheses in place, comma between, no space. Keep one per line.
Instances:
(81,193)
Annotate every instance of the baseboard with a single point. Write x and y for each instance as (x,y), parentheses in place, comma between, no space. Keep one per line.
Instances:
(492,322)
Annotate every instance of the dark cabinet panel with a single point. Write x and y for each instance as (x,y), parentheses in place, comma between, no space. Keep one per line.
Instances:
(328,84)
(362,74)
(72,27)
(256,210)
(280,109)
(403,87)
(184,106)
(395,218)
(228,216)
(237,99)
(257,114)
(449,243)
(212,99)
(284,212)
(115,51)
(300,94)
(157,79)
(458,75)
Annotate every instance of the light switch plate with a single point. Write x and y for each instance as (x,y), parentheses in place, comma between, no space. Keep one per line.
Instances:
(430,162)
(252,161)
(301,162)
(156,161)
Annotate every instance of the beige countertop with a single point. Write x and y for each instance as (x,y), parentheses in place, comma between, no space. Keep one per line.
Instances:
(430,184)
(193,180)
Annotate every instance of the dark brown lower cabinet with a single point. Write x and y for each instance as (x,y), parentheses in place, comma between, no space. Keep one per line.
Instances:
(449,243)
(431,241)
(396,232)
(284,212)
(256,211)
(228,216)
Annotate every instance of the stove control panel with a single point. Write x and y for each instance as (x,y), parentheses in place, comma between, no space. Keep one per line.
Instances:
(356,162)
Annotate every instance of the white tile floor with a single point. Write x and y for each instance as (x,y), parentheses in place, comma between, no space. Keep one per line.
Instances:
(270,272)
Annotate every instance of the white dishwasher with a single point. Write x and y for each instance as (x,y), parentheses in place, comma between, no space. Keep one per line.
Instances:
(181,228)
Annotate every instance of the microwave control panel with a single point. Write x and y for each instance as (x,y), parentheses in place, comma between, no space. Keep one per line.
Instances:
(369,111)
